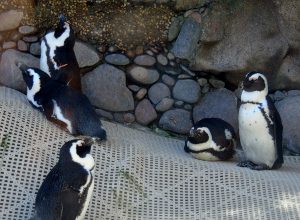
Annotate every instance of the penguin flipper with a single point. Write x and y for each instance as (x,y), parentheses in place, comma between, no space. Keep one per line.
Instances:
(277,133)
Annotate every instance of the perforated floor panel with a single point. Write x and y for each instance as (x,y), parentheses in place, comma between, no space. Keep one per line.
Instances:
(138,175)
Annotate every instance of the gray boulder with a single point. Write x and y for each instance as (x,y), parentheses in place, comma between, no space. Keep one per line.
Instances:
(177,120)
(144,112)
(106,88)
(288,109)
(145,60)
(143,75)
(10,20)
(221,103)
(86,55)
(187,41)
(187,91)
(117,59)
(164,105)
(157,92)
(10,74)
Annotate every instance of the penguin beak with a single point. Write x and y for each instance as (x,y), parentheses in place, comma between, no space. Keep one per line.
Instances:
(89,141)
(62,20)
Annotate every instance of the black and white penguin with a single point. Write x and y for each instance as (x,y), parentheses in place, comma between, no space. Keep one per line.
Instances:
(67,189)
(61,104)
(58,58)
(259,125)
(211,139)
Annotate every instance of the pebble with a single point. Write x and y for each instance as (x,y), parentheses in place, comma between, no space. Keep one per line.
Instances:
(176,120)
(158,91)
(187,90)
(129,118)
(188,107)
(22,46)
(171,56)
(143,75)
(134,88)
(149,52)
(117,59)
(184,76)
(26,29)
(35,49)
(30,39)
(164,105)
(185,69)
(102,48)
(112,49)
(145,60)
(205,89)
(218,84)
(139,50)
(130,53)
(104,114)
(9,45)
(162,59)
(168,80)
(144,112)
(196,16)
(179,103)
(202,81)
(119,117)
(15,36)
(10,19)
(141,94)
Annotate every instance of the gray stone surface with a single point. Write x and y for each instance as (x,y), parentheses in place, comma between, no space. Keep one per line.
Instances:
(106,88)
(129,118)
(162,59)
(104,114)
(218,84)
(202,81)
(119,117)
(145,60)
(10,20)
(86,55)
(164,105)
(168,80)
(143,75)
(220,103)
(9,45)
(157,92)
(289,110)
(187,90)
(10,74)
(22,46)
(35,49)
(177,120)
(117,59)
(30,39)
(175,28)
(134,88)
(144,112)
(26,29)
(187,40)
(141,94)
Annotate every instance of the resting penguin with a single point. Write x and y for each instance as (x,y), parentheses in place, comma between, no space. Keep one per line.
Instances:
(61,104)
(211,139)
(259,125)
(58,58)
(67,189)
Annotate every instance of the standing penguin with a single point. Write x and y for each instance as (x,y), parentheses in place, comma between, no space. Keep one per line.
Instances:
(259,125)
(67,189)
(61,104)
(211,139)
(58,58)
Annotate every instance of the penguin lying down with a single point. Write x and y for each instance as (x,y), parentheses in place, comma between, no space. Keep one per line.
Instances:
(61,104)
(211,139)
(67,189)
(259,125)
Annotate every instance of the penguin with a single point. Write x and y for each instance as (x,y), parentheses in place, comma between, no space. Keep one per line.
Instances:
(58,58)
(211,139)
(260,125)
(67,189)
(66,107)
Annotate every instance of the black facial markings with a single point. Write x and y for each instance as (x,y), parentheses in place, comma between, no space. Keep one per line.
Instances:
(199,137)
(82,151)
(253,85)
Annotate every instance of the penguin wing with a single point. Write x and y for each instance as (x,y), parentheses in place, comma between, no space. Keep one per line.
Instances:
(276,131)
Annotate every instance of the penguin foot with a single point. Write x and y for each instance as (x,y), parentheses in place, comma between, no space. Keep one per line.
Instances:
(259,167)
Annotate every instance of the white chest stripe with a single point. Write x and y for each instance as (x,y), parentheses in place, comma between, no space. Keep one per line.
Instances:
(204,146)
(58,114)
(43,61)
(36,86)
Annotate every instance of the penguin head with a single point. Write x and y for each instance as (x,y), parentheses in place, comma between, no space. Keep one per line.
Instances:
(255,87)
(199,135)
(33,77)
(78,151)
(64,32)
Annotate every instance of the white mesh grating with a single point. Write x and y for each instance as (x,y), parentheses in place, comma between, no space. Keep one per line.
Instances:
(139,175)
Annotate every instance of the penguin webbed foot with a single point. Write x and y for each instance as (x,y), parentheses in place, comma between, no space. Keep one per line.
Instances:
(252,165)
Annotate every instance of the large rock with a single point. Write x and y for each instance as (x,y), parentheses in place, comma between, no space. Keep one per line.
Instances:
(106,88)
(86,55)
(251,37)
(145,113)
(10,20)
(221,103)
(157,92)
(288,109)
(187,41)
(183,5)
(143,75)
(187,90)
(177,120)
(10,74)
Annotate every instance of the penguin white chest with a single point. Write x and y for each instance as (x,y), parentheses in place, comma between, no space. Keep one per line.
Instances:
(257,143)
